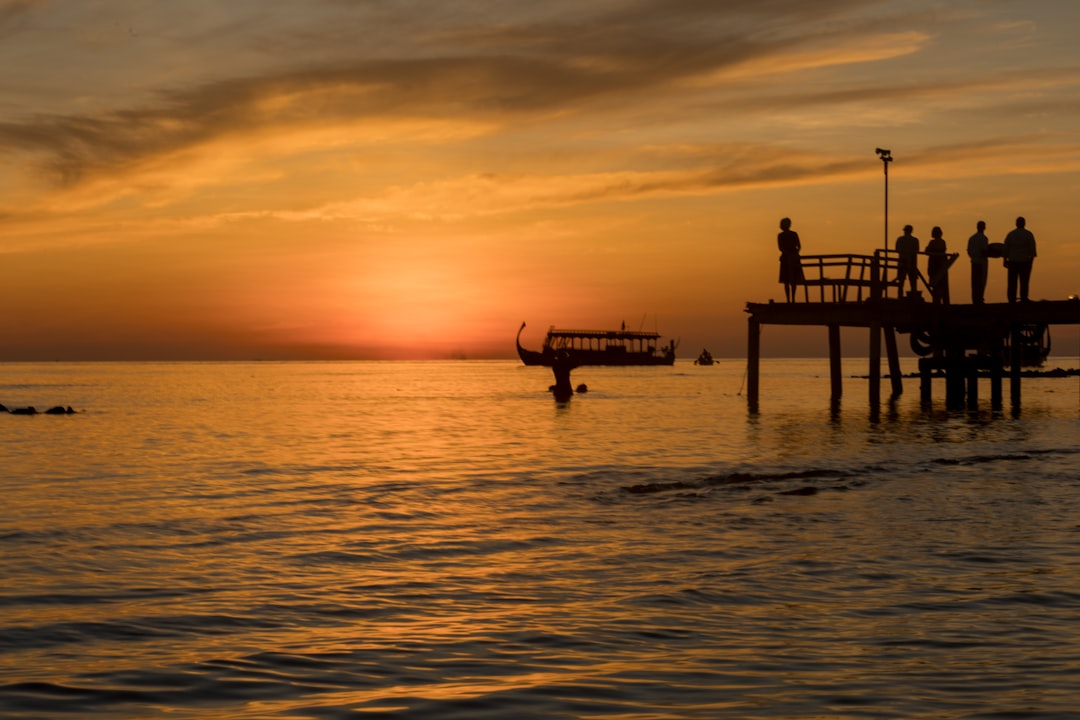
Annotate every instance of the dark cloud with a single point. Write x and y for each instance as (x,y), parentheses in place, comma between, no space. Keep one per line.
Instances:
(12,9)
(504,70)
(495,70)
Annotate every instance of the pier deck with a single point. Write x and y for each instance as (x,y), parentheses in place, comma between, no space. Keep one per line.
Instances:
(958,340)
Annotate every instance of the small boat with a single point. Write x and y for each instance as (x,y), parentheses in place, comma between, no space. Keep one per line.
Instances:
(705,358)
(600,347)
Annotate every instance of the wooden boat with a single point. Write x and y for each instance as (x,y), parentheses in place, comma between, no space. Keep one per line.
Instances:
(600,347)
(705,358)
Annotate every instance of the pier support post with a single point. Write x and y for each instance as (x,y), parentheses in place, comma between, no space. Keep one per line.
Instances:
(894,361)
(925,375)
(972,365)
(753,360)
(835,380)
(996,372)
(875,364)
(955,377)
(1014,370)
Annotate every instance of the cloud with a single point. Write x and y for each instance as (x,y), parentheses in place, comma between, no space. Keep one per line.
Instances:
(457,77)
(11,10)
(457,199)
(495,72)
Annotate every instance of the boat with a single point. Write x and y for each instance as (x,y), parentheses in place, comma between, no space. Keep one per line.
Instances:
(705,358)
(600,347)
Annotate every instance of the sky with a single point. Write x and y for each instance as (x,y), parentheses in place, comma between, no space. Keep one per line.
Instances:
(413,179)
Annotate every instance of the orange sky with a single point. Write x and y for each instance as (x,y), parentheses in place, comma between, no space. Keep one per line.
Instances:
(334,179)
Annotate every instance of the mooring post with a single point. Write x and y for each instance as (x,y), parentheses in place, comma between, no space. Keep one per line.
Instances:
(894,361)
(835,380)
(875,364)
(753,359)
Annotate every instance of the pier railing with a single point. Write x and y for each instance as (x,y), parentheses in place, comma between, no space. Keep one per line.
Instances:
(855,278)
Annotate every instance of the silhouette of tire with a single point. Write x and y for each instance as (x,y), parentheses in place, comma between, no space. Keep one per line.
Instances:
(922,344)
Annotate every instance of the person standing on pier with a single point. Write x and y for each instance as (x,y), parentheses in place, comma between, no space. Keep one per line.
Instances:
(978,249)
(907,247)
(1019,256)
(791,272)
(937,267)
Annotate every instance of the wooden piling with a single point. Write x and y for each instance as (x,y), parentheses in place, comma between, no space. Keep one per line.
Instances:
(863,296)
(753,361)
(835,379)
(995,380)
(955,377)
(925,376)
(1014,369)
(875,364)
(972,363)
(895,377)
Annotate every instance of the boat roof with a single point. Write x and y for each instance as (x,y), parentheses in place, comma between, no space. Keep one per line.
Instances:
(616,334)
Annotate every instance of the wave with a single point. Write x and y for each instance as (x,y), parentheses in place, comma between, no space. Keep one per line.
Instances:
(833,478)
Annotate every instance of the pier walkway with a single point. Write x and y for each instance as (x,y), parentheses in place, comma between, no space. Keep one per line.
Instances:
(959,341)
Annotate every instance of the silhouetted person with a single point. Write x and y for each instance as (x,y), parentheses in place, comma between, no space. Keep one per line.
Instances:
(907,247)
(791,272)
(937,267)
(978,251)
(561,365)
(1019,256)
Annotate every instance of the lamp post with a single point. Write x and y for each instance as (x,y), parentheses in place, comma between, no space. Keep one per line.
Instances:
(886,158)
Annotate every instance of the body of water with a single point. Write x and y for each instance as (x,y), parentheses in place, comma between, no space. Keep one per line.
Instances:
(443,540)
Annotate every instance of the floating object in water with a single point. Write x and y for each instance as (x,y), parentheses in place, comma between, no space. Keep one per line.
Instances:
(31,410)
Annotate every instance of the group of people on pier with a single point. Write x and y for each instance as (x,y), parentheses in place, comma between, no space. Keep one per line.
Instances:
(1017,251)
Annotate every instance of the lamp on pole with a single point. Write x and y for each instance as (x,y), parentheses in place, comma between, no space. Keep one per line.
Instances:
(886,158)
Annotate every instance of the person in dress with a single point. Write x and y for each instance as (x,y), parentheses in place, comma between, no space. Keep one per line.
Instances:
(907,248)
(1019,256)
(937,267)
(791,272)
(978,251)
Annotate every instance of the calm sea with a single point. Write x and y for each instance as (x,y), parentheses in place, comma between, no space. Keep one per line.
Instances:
(442,540)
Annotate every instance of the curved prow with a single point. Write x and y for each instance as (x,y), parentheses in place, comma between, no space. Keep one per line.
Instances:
(529,357)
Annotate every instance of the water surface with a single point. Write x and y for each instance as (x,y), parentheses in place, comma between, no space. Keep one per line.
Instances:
(443,540)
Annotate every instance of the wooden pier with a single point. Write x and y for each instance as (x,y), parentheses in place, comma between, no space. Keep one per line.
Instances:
(957,341)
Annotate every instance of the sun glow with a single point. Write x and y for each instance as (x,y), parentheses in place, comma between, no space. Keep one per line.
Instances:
(421,192)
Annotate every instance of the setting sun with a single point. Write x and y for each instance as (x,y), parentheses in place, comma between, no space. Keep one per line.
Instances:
(289,189)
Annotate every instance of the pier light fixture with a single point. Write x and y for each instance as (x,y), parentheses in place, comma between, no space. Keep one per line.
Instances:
(886,158)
